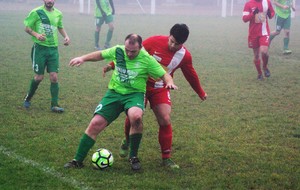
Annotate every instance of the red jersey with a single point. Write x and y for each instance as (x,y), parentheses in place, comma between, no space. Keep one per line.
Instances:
(157,46)
(258,25)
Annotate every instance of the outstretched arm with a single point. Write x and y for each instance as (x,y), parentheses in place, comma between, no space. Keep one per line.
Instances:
(94,56)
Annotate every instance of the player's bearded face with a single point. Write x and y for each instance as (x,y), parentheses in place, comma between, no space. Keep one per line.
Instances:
(173,45)
(49,3)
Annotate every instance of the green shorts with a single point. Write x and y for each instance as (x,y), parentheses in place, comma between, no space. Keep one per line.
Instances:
(283,23)
(101,20)
(113,103)
(44,57)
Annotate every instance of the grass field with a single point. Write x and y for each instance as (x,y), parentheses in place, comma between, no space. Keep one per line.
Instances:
(245,136)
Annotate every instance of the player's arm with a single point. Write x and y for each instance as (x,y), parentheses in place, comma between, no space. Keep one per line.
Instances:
(100,8)
(271,12)
(65,36)
(283,6)
(41,37)
(112,6)
(248,13)
(94,56)
(192,77)
(294,5)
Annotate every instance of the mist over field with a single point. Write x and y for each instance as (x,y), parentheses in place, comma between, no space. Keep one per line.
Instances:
(246,135)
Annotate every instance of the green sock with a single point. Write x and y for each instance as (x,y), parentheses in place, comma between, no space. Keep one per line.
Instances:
(134,143)
(97,39)
(108,37)
(32,88)
(286,43)
(54,88)
(86,143)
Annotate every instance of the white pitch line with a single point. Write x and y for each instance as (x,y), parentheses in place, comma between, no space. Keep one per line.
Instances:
(46,170)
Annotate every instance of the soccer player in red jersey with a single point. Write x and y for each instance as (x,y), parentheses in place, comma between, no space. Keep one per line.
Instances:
(257,12)
(172,55)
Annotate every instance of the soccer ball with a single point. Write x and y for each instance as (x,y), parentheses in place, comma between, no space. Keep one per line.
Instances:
(102,159)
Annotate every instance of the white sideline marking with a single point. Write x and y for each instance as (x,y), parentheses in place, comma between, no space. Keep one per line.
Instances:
(46,170)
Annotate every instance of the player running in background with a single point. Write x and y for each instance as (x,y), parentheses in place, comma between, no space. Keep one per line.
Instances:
(126,92)
(42,24)
(104,12)
(283,21)
(172,55)
(257,12)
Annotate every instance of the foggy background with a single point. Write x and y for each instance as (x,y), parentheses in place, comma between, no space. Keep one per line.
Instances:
(171,7)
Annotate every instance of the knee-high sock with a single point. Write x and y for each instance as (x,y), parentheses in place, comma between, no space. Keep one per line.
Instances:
(134,143)
(265,59)
(257,65)
(127,129)
(286,43)
(32,88)
(54,88)
(165,140)
(97,36)
(108,37)
(86,143)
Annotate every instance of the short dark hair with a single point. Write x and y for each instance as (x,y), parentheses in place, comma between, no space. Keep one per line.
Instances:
(180,32)
(134,38)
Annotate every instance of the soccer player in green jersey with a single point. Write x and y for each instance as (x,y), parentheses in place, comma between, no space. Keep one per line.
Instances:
(104,11)
(283,21)
(43,24)
(126,92)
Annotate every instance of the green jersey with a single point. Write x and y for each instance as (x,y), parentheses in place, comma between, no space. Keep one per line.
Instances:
(284,13)
(130,76)
(44,22)
(105,6)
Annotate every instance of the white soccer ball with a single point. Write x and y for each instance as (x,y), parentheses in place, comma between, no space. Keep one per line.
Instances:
(102,159)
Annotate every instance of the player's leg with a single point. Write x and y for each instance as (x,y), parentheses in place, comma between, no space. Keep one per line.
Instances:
(124,148)
(87,141)
(105,113)
(134,106)
(98,23)
(264,51)
(160,102)
(52,69)
(279,24)
(38,66)
(286,38)
(253,42)
(109,21)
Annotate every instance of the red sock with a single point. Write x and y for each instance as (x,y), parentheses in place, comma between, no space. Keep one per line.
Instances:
(257,65)
(165,140)
(265,59)
(127,129)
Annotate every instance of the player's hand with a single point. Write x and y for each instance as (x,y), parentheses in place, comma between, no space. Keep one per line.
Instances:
(255,11)
(41,37)
(105,69)
(66,41)
(204,97)
(76,62)
(171,86)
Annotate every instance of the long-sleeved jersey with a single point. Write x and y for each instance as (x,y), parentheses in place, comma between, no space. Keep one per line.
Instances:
(258,23)
(157,46)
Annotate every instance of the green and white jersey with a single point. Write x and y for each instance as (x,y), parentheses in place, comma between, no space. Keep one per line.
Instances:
(130,76)
(105,6)
(44,22)
(284,13)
